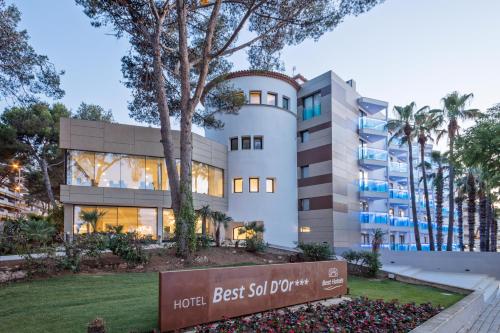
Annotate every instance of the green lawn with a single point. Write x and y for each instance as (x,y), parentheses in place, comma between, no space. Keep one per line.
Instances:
(129,302)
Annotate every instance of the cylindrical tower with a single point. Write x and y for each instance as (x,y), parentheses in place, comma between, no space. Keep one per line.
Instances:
(262,154)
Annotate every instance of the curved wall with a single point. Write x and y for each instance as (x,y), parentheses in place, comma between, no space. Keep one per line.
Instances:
(277,159)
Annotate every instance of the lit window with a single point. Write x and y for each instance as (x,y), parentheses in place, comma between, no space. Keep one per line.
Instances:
(245,142)
(270,185)
(272,99)
(391,211)
(238,185)
(258,142)
(304,136)
(304,171)
(312,106)
(255,97)
(304,204)
(305,229)
(253,185)
(286,103)
(234,143)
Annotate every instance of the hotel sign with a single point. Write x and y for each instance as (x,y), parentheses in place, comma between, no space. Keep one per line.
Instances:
(193,297)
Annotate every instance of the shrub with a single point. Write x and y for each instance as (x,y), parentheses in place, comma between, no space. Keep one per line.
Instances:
(11,228)
(315,251)
(253,232)
(255,244)
(73,251)
(363,262)
(130,247)
(203,241)
(56,218)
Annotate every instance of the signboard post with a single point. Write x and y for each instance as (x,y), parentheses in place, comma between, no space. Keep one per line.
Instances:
(193,297)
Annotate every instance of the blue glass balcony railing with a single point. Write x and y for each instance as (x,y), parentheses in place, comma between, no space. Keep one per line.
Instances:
(398,221)
(398,194)
(373,185)
(373,124)
(398,166)
(372,154)
(372,217)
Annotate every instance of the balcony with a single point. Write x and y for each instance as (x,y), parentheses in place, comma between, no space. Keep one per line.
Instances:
(400,197)
(398,149)
(371,217)
(371,158)
(399,221)
(373,189)
(372,130)
(398,171)
(371,106)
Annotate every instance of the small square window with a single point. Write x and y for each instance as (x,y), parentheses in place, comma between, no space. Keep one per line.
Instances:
(246,142)
(255,97)
(258,142)
(305,229)
(253,185)
(238,185)
(304,204)
(270,185)
(234,143)
(272,99)
(304,136)
(286,103)
(304,171)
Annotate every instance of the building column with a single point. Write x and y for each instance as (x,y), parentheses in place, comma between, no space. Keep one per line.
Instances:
(68,220)
(159,226)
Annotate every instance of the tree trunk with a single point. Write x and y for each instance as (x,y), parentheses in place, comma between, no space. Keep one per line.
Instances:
(460,223)
(487,227)
(217,235)
(426,195)
(471,209)
(493,232)
(412,192)
(439,207)
(204,226)
(482,218)
(451,199)
(47,183)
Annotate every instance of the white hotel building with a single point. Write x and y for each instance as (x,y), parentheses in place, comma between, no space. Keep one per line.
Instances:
(307,158)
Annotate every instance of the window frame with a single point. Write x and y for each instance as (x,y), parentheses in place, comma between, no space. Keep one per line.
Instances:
(231,143)
(261,138)
(243,139)
(313,97)
(302,168)
(302,136)
(287,99)
(271,93)
(254,92)
(250,184)
(234,184)
(302,206)
(273,182)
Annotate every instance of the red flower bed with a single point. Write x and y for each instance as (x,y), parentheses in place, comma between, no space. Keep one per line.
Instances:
(359,315)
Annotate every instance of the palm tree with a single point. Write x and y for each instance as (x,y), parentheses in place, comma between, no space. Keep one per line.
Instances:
(438,183)
(204,213)
(454,109)
(493,228)
(471,208)
(91,218)
(459,200)
(425,123)
(219,219)
(403,127)
(378,238)
(483,205)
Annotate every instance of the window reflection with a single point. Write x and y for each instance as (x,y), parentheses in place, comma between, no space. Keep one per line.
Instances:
(107,170)
(215,182)
(133,170)
(169,224)
(153,173)
(200,178)
(81,168)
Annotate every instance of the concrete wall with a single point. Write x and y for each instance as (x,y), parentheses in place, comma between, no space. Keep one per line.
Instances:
(454,262)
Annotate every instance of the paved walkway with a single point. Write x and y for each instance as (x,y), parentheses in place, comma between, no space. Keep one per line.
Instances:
(489,321)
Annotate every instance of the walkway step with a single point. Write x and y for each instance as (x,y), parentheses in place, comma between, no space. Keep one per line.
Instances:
(489,321)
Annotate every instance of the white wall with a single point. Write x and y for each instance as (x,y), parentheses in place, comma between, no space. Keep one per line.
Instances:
(277,160)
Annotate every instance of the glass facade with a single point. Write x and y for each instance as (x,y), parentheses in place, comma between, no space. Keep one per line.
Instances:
(372,154)
(373,124)
(136,172)
(169,224)
(140,220)
(312,106)
(373,185)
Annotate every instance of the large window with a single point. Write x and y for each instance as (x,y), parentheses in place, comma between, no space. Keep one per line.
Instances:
(137,172)
(169,224)
(255,97)
(133,219)
(312,106)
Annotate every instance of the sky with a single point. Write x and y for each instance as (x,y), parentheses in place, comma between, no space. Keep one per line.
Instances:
(401,51)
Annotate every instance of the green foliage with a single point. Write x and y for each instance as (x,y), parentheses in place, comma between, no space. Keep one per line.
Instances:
(220,219)
(255,244)
(203,241)
(56,218)
(91,218)
(363,262)
(316,251)
(24,74)
(11,229)
(378,238)
(93,112)
(73,255)
(253,231)
(130,247)
(115,229)
(185,225)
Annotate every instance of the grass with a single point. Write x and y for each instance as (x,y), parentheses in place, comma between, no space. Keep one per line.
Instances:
(129,302)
